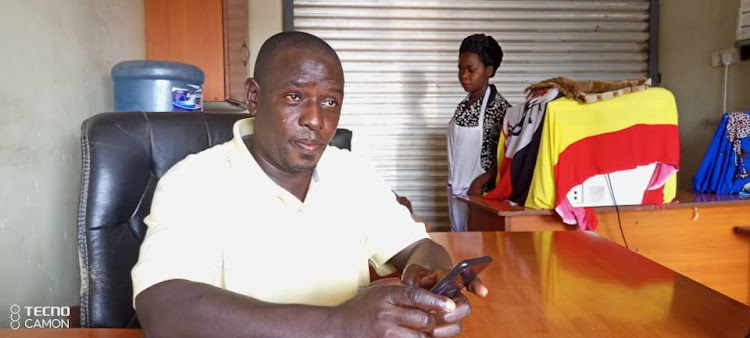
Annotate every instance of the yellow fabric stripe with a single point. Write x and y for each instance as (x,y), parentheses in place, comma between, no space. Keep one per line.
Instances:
(670,189)
(500,155)
(570,121)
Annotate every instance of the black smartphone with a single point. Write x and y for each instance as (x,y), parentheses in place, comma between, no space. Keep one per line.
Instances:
(460,276)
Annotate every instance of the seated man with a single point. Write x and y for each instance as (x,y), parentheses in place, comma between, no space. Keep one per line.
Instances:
(265,236)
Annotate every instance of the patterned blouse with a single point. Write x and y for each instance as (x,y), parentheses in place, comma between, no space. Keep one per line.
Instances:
(493,121)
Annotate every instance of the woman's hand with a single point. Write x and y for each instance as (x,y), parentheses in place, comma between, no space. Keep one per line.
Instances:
(478,184)
(476,187)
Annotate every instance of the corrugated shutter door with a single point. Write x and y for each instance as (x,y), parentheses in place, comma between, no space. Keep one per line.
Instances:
(400,63)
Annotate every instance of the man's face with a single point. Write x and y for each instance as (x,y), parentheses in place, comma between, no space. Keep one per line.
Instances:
(298,109)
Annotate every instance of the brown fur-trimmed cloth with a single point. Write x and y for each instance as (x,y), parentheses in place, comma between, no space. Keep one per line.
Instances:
(590,91)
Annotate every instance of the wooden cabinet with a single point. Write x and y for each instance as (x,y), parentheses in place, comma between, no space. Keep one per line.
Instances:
(210,34)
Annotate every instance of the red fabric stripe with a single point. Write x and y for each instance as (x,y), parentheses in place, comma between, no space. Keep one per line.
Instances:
(624,149)
(593,221)
(504,188)
(655,196)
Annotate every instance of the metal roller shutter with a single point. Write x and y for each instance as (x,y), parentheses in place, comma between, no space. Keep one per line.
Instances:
(400,63)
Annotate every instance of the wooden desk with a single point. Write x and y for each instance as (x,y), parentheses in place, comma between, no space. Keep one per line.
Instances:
(493,215)
(695,236)
(564,284)
(572,284)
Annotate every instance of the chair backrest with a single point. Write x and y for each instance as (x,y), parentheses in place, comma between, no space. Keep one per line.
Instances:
(124,155)
(342,139)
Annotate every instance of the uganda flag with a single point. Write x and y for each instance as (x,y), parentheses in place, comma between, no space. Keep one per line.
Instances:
(518,148)
(579,141)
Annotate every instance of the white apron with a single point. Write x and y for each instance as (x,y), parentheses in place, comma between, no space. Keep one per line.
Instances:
(464,164)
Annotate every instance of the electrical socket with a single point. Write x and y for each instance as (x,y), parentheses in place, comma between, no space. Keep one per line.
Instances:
(730,56)
(725,57)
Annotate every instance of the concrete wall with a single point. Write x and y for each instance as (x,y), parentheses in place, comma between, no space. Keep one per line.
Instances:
(56,58)
(690,31)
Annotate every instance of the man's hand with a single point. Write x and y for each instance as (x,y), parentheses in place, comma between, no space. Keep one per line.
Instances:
(447,324)
(388,308)
(419,276)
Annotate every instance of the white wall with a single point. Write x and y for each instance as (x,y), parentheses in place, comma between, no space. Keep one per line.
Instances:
(690,30)
(265,20)
(54,73)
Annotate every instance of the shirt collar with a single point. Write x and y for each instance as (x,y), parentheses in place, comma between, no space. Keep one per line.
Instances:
(245,127)
(241,128)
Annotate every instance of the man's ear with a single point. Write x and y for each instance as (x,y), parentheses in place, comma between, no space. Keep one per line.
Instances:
(252,90)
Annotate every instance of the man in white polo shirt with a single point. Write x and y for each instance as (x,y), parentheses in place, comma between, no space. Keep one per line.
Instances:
(270,234)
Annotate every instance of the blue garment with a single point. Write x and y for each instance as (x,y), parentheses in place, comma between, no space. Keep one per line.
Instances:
(718,172)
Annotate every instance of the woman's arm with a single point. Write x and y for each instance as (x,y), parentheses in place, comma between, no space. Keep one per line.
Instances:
(489,176)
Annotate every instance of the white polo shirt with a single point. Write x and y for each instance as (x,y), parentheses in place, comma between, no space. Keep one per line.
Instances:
(217,218)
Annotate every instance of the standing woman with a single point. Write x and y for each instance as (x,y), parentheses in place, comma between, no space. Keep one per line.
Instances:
(474,130)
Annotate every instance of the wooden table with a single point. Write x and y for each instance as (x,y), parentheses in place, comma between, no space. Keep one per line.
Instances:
(700,236)
(564,284)
(572,284)
(493,215)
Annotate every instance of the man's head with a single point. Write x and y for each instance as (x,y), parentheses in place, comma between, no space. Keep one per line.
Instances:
(295,95)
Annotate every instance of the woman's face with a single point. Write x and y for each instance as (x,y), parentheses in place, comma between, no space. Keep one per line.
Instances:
(472,73)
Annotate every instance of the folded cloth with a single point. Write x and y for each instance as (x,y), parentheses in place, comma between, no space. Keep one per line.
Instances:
(738,127)
(723,170)
(592,90)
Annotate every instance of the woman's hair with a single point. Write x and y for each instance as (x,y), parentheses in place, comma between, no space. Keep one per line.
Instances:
(486,47)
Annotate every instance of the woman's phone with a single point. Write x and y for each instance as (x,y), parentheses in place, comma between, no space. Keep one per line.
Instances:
(460,276)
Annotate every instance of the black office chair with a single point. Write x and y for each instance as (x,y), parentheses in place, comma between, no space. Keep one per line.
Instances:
(124,155)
